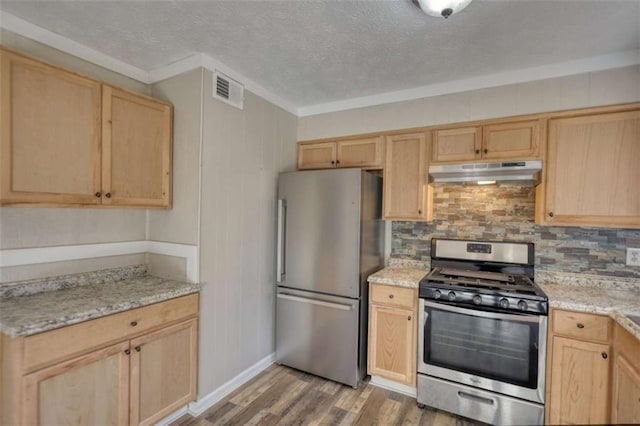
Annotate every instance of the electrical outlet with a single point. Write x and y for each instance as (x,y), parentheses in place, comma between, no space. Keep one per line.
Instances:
(633,256)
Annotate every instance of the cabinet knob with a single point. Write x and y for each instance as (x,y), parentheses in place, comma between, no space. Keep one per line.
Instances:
(391,296)
(337,161)
(419,211)
(409,318)
(550,214)
(108,195)
(580,325)
(127,351)
(486,151)
(477,151)
(137,348)
(134,323)
(98,194)
(604,355)
(333,162)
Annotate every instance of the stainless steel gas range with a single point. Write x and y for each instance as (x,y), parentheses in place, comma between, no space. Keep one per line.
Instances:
(483,332)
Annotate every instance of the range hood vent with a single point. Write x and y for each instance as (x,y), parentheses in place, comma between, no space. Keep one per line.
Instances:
(522,171)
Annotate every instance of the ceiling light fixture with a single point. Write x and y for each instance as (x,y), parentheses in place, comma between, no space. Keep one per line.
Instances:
(444,8)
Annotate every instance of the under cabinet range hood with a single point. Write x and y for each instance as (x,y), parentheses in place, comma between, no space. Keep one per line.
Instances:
(522,171)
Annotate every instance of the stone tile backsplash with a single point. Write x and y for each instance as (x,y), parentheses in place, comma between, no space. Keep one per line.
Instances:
(506,212)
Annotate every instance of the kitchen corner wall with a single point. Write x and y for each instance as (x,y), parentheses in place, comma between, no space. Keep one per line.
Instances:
(225,167)
(242,153)
(506,212)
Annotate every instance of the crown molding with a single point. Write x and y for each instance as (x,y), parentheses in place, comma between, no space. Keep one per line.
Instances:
(26,29)
(579,66)
(211,64)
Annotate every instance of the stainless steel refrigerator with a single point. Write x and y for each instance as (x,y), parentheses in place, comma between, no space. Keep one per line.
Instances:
(330,239)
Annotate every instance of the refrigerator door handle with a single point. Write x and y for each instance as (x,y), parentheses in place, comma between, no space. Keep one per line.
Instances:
(315,302)
(282,241)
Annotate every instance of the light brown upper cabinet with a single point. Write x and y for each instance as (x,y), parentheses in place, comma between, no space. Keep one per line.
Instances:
(50,134)
(495,141)
(406,193)
(366,152)
(593,170)
(136,149)
(68,140)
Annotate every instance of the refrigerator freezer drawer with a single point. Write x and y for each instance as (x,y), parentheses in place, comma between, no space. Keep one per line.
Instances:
(318,334)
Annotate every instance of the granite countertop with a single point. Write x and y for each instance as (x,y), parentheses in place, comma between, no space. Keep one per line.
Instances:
(621,304)
(41,305)
(398,276)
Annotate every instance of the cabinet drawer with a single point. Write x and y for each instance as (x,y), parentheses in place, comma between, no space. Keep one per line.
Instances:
(582,326)
(52,346)
(393,296)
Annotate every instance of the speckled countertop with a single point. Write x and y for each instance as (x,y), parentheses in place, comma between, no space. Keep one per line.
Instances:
(30,312)
(398,276)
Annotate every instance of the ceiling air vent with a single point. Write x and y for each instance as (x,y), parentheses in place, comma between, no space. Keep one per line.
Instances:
(228,90)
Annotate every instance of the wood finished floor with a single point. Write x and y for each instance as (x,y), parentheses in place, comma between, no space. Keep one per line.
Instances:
(283,396)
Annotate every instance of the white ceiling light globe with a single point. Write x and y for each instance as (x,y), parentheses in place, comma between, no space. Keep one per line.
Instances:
(444,8)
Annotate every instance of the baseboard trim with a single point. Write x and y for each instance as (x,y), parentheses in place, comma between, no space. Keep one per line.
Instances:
(393,386)
(173,416)
(201,405)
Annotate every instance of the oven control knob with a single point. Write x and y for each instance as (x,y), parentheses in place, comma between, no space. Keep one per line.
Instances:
(522,305)
(437,294)
(504,303)
(477,300)
(451,296)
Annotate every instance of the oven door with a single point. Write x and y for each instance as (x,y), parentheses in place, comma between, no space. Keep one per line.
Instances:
(500,352)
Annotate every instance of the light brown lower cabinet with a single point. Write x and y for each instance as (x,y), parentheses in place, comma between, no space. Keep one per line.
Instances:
(392,333)
(593,371)
(140,379)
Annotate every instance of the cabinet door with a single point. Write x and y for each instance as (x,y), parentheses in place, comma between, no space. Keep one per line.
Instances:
(320,155)
(136,150)
(361,153)
(460,144)
(49,134)
(626,392)
(89,390)
(517,141)
(392,345)
(592,172)
(163,372)
(579,382)
(405,177)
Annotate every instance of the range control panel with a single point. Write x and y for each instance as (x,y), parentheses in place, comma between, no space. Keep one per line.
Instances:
(478,248)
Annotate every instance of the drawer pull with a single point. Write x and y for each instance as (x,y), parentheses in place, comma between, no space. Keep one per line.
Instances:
(391,296)
(604,355)
(580,325)
(134,323)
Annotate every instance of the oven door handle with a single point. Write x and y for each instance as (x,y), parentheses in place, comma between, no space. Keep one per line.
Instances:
(484,314)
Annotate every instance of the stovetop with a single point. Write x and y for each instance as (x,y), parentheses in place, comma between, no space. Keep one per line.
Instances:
(486,282)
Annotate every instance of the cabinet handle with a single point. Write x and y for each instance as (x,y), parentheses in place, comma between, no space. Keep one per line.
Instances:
(391,296)
(550,214)
(98,195)
(108,195)
(137,348)
(134,323)
(409,317)
(419,211)
(337,161)
(477,151)
(580,325)
(333,162)
(604,355)
(127,351)
(486,151)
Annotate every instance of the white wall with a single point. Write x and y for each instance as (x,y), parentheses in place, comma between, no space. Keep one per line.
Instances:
(577,91)
(243,152)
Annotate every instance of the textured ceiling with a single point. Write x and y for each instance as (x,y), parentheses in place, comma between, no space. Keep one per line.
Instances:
(312,52)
